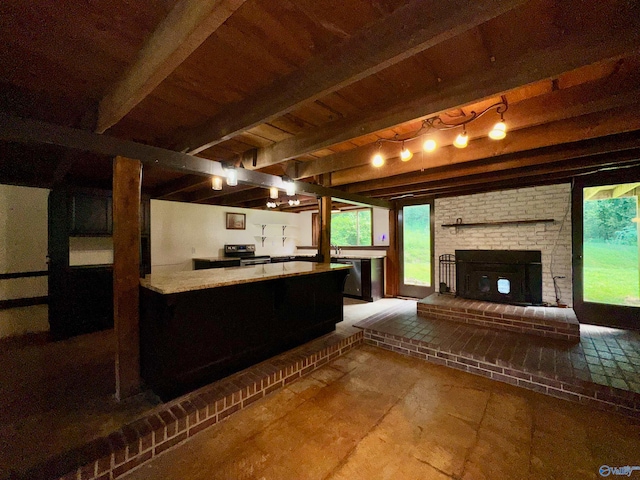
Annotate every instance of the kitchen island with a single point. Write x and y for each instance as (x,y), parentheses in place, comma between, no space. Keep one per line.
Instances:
(202,325)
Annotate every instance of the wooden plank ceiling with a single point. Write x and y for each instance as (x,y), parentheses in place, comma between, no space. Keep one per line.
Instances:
(306,89)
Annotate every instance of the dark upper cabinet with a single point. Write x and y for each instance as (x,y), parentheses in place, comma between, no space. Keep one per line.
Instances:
(91,215)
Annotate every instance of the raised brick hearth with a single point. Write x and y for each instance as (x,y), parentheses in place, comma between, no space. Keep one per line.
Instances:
(602,370)
(551,322)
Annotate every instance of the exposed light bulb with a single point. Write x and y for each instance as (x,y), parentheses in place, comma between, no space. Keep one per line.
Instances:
(232,177)
(429,145)
(499,131)
(294,202)
(461,140)
(216,183)
(273,193)
(405,155)
(378,161)
(272,204)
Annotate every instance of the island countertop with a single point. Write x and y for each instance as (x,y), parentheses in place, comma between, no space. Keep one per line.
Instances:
(177,282)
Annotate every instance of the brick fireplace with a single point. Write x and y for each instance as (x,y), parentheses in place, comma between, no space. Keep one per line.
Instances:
(551,239)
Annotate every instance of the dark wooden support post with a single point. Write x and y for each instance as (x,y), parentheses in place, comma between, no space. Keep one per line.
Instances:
(637,220)
(393,256)
(324,248)
(127,182)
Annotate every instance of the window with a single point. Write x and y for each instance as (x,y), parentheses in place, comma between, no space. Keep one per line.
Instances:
(352,228)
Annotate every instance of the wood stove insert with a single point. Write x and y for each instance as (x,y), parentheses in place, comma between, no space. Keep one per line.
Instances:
(503,276)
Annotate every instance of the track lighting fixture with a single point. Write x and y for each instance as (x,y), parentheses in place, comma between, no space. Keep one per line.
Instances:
(498,132)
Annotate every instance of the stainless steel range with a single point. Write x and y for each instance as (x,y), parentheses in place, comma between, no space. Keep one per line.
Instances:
(246,253)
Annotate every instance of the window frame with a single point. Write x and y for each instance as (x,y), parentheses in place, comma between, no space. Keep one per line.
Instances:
(315,221)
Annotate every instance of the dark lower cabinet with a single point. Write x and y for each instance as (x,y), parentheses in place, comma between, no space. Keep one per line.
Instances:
(192,338)
(85,302)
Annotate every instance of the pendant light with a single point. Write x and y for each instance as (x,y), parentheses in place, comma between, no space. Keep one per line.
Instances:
(216,183)
(232,176)
(499,131)
(405,154)
(462,140)
(273,193)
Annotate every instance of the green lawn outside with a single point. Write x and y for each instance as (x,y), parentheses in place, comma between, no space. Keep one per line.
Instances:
(611,273)
(417,258)
(417,274)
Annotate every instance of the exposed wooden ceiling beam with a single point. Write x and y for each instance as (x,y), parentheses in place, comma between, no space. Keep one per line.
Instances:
(237,198)
(569,53)
(178,185)
(22,130)
(584,99)
(605,148)
(396,37)
(205,194)
(186,26)
(516,178)
(594,125)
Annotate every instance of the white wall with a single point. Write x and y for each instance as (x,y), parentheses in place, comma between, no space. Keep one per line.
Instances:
(23,240)
(380,227)
(182,231)
(552,239)
(23,248)
(90,251)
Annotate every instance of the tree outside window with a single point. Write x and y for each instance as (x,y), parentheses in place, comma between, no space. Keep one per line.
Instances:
(352,228)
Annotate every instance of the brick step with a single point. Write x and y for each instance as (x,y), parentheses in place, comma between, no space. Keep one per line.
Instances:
(548,366)
(550,322)
(172,423)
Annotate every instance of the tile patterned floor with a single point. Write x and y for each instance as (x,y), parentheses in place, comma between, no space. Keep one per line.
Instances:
(57,398)
(374,414)
(604,356)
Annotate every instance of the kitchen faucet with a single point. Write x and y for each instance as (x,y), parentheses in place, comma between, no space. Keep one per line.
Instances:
(337,249)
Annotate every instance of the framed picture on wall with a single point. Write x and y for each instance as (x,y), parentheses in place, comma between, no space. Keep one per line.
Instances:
(236,221)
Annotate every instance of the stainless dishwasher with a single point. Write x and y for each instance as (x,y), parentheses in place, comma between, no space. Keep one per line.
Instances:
(353,282)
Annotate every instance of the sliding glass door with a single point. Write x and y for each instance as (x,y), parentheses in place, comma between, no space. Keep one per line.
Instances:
(415,227)
(607,252)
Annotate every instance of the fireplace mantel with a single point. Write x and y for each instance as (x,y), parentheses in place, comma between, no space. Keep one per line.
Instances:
(493,224)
